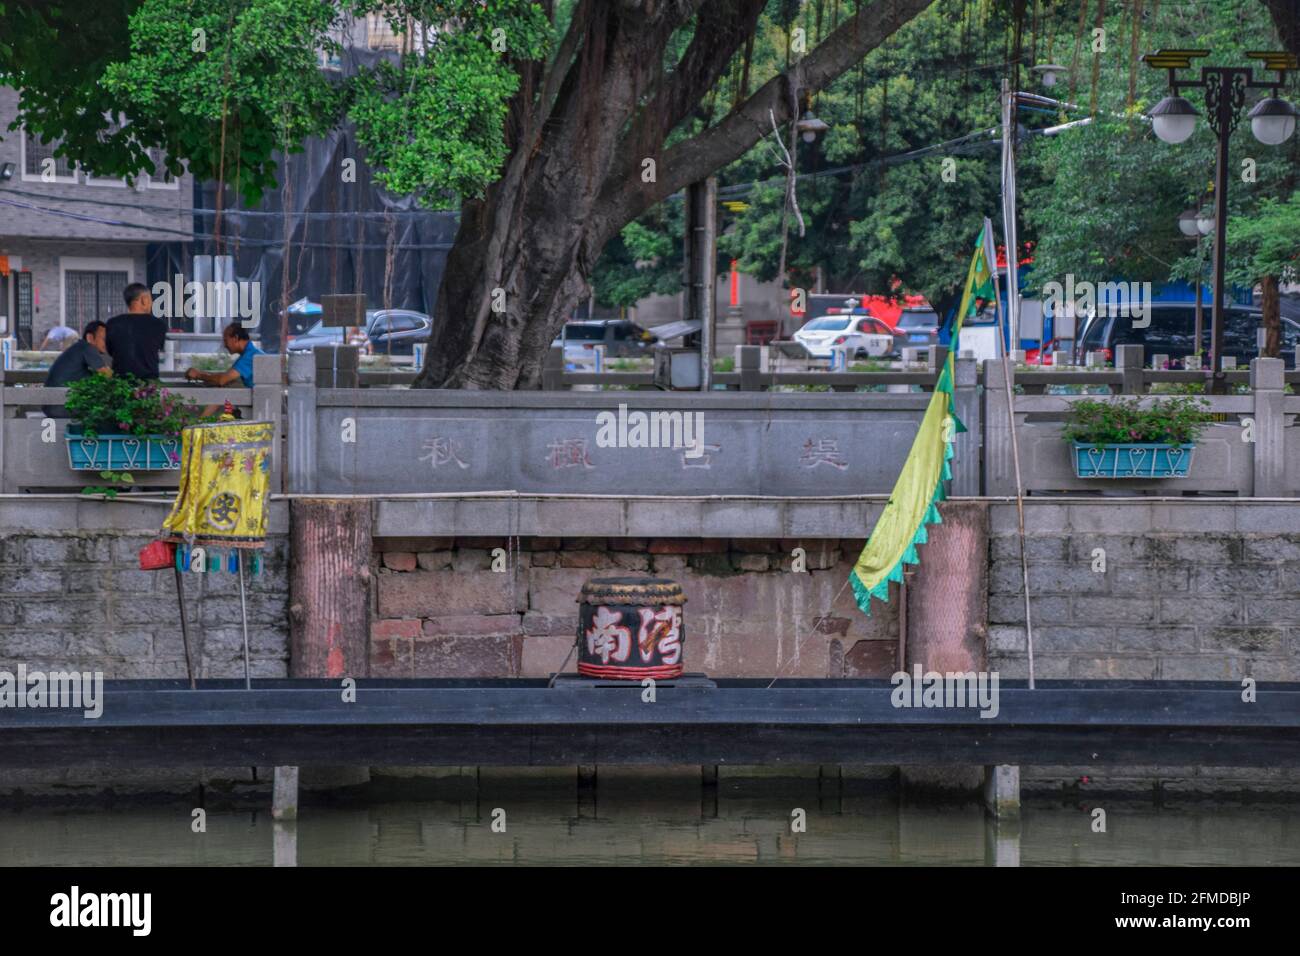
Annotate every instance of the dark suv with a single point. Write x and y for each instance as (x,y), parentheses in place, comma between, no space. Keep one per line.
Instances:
(388,332)
(1172,332)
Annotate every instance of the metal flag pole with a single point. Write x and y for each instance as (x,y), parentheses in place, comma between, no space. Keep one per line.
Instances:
(1011,239)
(185,623)
(243,613)
(991,256)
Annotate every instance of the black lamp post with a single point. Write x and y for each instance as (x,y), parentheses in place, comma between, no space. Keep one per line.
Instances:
(1173,119)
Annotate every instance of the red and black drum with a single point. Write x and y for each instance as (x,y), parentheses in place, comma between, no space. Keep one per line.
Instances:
(630,628)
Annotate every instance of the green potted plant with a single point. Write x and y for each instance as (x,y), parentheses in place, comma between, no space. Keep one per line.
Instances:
(1122,438)
(120,423)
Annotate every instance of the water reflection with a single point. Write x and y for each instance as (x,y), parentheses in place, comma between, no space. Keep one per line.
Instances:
(656,823)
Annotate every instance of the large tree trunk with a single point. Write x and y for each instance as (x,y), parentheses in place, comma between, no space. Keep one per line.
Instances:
(1286,17)
(579,139)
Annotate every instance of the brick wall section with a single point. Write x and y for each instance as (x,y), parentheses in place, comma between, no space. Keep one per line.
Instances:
(81,601)
(1171,605)
(439,610)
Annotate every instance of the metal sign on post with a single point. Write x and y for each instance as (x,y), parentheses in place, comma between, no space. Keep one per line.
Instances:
(343,311)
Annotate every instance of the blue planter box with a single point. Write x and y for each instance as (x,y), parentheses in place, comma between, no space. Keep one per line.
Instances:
(1132,461)
(123,452)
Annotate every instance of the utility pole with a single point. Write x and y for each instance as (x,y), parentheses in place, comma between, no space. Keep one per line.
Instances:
(702,266)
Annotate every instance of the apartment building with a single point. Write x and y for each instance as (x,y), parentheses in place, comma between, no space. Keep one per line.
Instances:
(70,242)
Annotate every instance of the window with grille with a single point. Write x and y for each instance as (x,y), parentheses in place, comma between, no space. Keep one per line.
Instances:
(36,156)
(91,295)
(380,34)
(159,177)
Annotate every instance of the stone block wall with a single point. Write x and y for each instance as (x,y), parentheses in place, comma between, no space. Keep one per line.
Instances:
(439,610)
(1188,592)
(79,600)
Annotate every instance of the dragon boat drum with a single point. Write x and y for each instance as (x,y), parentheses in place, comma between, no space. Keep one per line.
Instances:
(630,628)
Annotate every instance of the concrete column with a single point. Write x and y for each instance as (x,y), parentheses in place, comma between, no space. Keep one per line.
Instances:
(947,618)
(301,468)
(1002,792)
(1267,381)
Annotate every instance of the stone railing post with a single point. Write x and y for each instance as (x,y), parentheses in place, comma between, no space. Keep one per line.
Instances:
(749,365)
(935,356)
(1128,361)
(553,369)
(999,468)
(966,460)
(268,406)
(301,426)
(1267,381)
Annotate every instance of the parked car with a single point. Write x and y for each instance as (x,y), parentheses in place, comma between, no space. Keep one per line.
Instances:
(1172,332)
(863,335)
(387,332)
(921,326)
(622,338)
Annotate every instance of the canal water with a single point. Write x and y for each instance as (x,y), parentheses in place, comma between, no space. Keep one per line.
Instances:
(657,825)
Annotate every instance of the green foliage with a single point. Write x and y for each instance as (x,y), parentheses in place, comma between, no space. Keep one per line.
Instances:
(435,122)
(1174,421)
(222,85)
(882,220)
(114,479)
(1110,193)
(1266,243)
(644,259)
(122,404)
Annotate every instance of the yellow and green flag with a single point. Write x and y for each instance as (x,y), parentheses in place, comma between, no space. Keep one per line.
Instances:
(913,504)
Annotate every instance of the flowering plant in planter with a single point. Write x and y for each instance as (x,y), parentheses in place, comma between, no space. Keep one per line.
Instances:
(1124,439)
(122,424)
(122,404)
(1173,421)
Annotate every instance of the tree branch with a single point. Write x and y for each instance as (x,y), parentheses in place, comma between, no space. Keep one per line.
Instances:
(625,198)
(720,31)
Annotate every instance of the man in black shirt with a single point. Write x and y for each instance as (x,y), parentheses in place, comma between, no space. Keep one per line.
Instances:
(79,360)
(136,336)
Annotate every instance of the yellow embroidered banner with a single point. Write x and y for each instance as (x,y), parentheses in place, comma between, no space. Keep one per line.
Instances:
(225,478)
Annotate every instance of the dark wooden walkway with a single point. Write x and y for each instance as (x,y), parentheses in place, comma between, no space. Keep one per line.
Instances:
(522,723)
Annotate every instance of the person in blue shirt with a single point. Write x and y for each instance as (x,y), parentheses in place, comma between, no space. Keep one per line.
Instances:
(237,343)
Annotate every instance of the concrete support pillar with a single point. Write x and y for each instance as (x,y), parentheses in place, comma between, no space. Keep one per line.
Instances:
(284,794)
(284,843)
(1002,842)
(1002,792)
